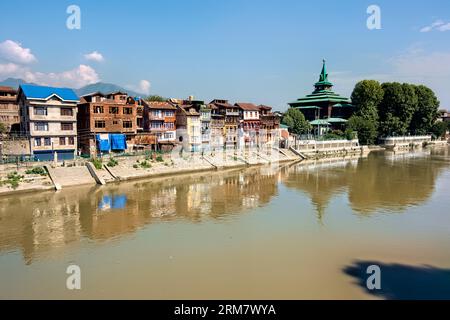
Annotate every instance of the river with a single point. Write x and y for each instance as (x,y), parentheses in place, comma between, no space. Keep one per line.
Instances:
(290,231)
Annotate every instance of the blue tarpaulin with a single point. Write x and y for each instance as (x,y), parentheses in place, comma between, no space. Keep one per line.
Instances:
(118,141)
(113,202)
(103,144)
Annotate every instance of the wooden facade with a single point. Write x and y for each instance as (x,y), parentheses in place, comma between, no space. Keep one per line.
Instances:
(9,109)
(111,113)
(159,123)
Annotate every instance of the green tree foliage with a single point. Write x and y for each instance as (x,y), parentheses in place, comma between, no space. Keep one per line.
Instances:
(439,128)
(366,129)
(156,98)
(296,121)
(427,110)
(367,96)
(397,108)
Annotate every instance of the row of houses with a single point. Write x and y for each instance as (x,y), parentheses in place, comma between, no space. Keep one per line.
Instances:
(59,124)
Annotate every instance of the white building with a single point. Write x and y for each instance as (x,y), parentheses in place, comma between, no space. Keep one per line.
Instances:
(48,117)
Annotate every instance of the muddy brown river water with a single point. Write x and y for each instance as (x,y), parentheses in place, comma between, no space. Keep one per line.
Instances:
(292,231)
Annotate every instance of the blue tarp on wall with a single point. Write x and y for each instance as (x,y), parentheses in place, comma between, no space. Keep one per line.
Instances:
(103,144)
(118,142)
(115,142)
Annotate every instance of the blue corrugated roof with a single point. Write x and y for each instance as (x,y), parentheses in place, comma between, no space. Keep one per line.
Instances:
(39,92)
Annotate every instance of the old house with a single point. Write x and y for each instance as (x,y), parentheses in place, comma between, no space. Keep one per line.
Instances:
(107,122)
(217,127)
(49,121)
(250,122)
(9,109)
(231,121)
(159,123)
(269,124)
(188,126)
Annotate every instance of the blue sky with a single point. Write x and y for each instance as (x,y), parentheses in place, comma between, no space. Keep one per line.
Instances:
(257,51)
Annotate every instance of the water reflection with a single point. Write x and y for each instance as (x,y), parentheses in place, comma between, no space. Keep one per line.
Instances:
(383,181)
(36,224)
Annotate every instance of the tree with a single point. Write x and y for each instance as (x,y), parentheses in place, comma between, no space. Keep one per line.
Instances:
(366,129)
(439,129)
(367,96)
(427,110)
(397,108)
(156,98)
(296,121)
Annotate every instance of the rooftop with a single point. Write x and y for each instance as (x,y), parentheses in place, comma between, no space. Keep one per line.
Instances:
(247,106)
(45,93)
(159,105)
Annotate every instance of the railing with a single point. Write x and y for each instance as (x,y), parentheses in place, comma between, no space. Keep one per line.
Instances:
(405,139)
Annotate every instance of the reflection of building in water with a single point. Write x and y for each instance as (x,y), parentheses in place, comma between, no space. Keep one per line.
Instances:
(371,184)
(39,224)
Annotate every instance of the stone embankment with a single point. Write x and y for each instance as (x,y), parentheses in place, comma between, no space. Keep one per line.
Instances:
(109,170)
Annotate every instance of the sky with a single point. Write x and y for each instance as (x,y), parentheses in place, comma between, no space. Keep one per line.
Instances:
(261,51)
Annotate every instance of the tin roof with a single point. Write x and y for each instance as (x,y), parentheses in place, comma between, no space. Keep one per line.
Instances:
(45,93)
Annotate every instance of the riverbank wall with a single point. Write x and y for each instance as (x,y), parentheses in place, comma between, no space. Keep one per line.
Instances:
(30,178)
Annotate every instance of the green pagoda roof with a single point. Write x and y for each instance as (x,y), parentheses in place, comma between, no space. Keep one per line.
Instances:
(323,78)
(321,94)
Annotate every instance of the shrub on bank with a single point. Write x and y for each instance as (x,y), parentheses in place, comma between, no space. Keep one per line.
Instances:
(112,162)
(37,170)
(98,163)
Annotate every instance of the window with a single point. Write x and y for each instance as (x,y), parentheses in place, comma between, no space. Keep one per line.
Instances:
(62,141)
(40,111)
(71,141)
(100,124)
(66,126)
(66,112)
(128,124)
(127,110)
(169,113)
(114,110)
(115,122)
(48,141)
(41,126)
(98,109)
(37,142)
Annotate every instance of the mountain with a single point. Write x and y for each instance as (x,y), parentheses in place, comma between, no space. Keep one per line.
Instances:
(105,88)
(13,82)
(100,86)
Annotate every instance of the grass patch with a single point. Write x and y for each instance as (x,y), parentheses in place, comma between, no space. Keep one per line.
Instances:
(13,179)
(159,158)
(37,170)
(145,165)
(98,163)
(112,162)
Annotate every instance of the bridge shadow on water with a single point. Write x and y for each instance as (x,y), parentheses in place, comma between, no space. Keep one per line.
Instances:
(404,282)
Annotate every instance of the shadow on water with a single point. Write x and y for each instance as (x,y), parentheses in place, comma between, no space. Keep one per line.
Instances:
(404,282)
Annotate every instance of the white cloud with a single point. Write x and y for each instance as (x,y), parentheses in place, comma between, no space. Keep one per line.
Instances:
(437,25)
(75,78)
(94,56)
(144,86)
(13,52)
(444,27)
